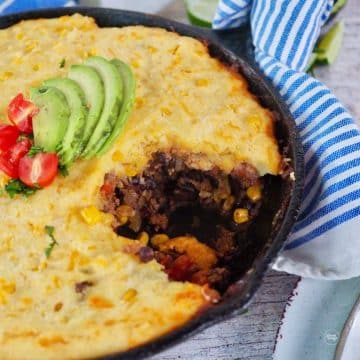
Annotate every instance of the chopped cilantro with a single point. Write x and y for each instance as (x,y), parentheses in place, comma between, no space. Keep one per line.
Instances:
(63,170)
(17,187)
(34,150)
(62,63)
(50,231)
(25,136)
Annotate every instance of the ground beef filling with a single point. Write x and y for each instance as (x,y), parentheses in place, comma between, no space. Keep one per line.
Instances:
(191,221)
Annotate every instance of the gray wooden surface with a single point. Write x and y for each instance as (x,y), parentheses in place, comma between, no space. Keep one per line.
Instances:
(252,336)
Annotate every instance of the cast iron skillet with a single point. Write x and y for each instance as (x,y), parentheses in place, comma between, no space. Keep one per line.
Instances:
(234,49)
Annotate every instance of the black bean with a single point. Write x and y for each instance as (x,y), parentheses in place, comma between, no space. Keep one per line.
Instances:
(146,254)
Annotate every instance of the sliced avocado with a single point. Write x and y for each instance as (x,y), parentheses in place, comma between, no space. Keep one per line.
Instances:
(72,144)
(93,88)
(127,104)
(113,96)
(51,122)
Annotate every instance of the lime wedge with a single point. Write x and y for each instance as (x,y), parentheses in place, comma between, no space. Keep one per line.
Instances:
(338,5)
(329,46)
(312,61)
(201,12)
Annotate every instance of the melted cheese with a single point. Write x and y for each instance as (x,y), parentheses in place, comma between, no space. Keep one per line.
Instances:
(185,100)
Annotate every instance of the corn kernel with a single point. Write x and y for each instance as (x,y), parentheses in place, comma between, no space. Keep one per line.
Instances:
(99,302)
(93,52)
(3,298)
(7,286)
(26,300)
(36,67)
(135,64)
(91,215)
(6,75)
(129,295)
(72,260)
(117,156)
(201,82)
(19,36)
(56,282)
(125,210)
(254,193)
(158,239)
(17,60)
(139,102)
(63,32)
(241,216)
(82,53)
(101,262)
(123,220)
(144,238)
(166,111)
(130,170)
(4,179)
(30,46)
(228,203)
(42,265)
(152,49)
(63,18)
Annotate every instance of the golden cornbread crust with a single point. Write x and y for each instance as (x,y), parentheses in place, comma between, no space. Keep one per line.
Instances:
(185,100)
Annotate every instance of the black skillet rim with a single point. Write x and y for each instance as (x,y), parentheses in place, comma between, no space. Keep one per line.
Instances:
(243,61)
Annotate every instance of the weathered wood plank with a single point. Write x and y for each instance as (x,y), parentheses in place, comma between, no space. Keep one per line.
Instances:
(250,336)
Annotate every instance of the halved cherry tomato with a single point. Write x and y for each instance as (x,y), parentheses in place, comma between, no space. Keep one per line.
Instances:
(9,160)
(19,150)
(7,167)
(39,170)
(181,269)
(8,136)
(20,113)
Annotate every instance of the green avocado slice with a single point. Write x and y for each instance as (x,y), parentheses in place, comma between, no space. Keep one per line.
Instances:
(129,84)
(113,97)
(73,143)
(51,122)
(93,88)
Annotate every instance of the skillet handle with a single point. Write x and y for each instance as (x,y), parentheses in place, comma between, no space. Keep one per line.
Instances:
(236,40)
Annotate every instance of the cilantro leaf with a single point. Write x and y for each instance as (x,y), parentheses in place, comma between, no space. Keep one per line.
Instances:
(17,187)
(62,63)
(64,170)
(34,150)
(25,136)
(50,231)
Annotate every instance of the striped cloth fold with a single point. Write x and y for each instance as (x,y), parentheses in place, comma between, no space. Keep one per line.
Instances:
(13,6)
(325,241)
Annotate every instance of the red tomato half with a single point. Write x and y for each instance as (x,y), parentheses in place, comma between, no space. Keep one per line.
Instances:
(8,136)
(19,150)
(20,113)
(9,160)
(8,168)
(39,170)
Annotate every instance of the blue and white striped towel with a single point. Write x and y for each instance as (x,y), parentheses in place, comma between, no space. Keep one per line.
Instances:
(11,6)
(325,242)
